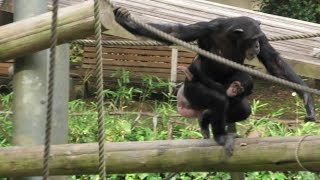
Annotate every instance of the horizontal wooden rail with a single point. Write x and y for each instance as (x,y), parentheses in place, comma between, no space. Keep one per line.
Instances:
(263,154)
(74,22)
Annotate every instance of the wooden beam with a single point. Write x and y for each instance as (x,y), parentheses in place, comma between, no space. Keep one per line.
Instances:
(74,22)
(264,154)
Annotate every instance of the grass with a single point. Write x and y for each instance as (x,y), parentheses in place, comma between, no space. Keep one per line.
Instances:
(139,127)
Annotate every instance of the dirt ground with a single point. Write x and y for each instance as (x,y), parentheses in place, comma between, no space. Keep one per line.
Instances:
(277,96)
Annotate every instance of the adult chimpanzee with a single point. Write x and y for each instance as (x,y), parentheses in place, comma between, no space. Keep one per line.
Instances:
(234,38)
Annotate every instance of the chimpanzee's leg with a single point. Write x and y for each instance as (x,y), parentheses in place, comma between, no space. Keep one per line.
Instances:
(204,121)
(239,110)
(216,103)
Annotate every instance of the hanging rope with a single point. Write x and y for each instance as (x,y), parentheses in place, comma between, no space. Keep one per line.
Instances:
(53,42)
(99,79)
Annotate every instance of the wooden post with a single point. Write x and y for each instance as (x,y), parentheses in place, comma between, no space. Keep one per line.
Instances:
(237,176)
(253,154)
(174,65)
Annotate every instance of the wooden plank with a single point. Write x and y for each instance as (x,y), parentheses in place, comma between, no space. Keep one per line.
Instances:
(131,64)
(130,68)
(108,74)
(133,51)
(88,56)
(139,51)
(5,65)
(164,48)
(135,64)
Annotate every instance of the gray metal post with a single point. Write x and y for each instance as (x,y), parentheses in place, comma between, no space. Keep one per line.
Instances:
(30,89)
(60,99)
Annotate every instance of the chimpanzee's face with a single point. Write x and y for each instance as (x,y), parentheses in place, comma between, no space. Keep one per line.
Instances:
(246,32)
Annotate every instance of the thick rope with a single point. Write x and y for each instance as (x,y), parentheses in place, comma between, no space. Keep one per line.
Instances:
(297,36)
(223,60)
(120,42)
(296,154)
(53,42)
(1,2)
(99,81)
(156,43)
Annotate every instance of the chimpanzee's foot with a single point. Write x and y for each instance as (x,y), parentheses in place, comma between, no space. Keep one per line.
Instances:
(205,133)
(309,118)
(227,141)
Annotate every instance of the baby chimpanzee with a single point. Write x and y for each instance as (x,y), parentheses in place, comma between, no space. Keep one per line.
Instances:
(238,86)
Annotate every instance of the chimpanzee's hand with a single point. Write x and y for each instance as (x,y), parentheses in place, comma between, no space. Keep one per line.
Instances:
(121,13)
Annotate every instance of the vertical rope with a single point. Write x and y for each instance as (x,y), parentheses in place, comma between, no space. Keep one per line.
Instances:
(99,79)
(53,42)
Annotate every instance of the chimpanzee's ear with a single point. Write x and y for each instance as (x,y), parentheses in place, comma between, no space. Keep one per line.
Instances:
(259,22)
(235,33)
(238,30)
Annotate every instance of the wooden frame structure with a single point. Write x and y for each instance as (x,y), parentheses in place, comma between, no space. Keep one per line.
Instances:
(30,35)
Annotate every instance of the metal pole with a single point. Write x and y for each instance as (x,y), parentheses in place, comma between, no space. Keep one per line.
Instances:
(30,89)
(60,99)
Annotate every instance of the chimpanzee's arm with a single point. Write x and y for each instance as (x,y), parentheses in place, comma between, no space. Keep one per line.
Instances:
(184,32)
(204,79)
(200,76)
(277,67)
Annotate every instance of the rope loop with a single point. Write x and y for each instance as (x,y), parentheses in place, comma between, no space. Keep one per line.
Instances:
(296,154)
